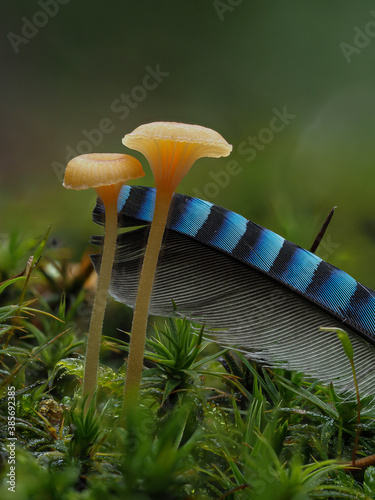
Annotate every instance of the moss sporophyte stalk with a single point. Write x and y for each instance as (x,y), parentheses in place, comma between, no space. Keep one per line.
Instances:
(106,173)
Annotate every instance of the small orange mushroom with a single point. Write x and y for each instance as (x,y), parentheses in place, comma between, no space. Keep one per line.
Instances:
(171,149)
(106,173)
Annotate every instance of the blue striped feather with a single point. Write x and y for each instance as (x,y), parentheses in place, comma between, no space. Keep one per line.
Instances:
(253,287)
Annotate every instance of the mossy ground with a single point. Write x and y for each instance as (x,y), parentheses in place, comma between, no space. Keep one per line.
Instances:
(210,423)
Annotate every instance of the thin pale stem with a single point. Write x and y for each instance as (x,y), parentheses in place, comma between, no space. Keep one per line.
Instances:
(100,301)
(139,326)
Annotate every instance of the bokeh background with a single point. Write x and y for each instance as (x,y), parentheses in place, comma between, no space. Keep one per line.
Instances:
(223,64)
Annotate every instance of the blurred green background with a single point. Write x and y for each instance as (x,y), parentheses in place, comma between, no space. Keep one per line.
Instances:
(66,66)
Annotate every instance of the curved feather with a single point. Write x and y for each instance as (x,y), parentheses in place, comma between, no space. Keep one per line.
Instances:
(254,289)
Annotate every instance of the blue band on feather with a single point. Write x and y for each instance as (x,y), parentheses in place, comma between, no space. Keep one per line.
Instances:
(337,291)
(194,214)
(265,250)
(123,196)
(146,210)
(319,282)
(230,232)
(300,269)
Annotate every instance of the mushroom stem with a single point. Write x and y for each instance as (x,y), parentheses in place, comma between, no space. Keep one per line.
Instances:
(109,195)
(139,326)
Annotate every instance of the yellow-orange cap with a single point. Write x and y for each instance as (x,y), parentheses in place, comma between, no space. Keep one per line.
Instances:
(101,169)
(171,148)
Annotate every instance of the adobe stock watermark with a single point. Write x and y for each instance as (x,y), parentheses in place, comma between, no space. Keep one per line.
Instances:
(30,27)
(362,38)
(327,247)
(222,7)
(121,107)
(251,147)
(12,438)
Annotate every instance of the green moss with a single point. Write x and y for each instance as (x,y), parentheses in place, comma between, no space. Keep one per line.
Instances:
(210,424)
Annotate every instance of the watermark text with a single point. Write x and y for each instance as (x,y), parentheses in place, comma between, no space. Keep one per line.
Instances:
(250,148)
(30,27)
(362,38)
(121,107)
(11,446)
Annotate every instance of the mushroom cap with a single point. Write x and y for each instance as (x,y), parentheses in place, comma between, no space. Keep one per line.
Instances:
(101,169)
(211,142)
(172,148)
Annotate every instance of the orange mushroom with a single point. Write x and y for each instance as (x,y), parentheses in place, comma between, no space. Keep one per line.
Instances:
(171,149)
(106,173)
